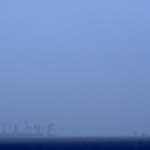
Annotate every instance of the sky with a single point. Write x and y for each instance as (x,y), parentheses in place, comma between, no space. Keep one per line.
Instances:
(83,65)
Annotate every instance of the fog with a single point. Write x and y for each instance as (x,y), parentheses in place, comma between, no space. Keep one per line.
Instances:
(83,65)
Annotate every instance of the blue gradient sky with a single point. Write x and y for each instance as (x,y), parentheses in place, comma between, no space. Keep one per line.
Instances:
(82,64)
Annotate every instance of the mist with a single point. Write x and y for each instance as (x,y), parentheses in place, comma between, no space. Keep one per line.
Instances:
(83,65)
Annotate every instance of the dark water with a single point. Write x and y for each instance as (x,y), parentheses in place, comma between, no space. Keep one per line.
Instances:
(76,144)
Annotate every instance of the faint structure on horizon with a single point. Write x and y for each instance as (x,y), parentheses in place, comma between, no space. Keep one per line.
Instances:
(50,129)
(4,131)
(35,130)
(16,129)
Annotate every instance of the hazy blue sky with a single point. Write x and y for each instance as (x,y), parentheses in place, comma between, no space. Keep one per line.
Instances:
(82,64)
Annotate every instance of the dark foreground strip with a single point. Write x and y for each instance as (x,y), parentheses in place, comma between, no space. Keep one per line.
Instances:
(86,144)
